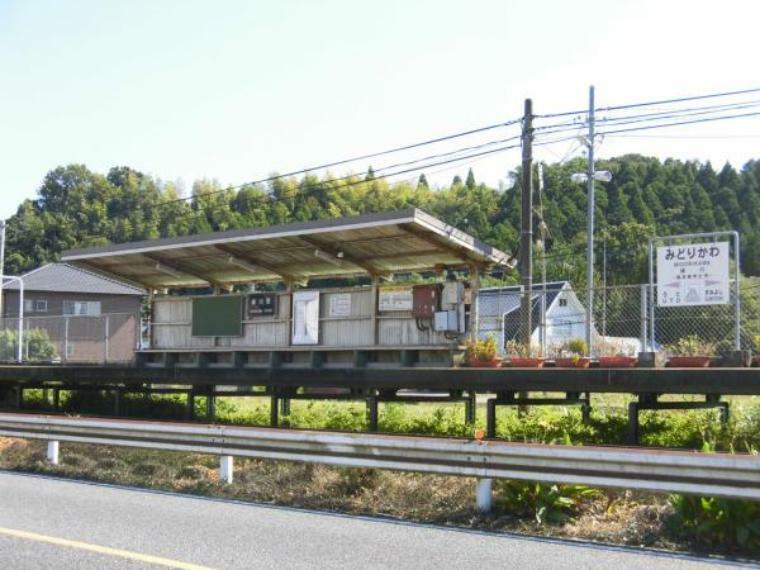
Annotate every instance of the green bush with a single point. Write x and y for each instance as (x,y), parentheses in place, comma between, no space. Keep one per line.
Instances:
(37,345)
(543,502)
(713,521)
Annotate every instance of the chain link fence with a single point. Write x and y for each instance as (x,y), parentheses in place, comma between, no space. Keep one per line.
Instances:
(108,338)
(625,319)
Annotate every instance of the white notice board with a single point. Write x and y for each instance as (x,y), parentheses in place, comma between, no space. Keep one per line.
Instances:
(340,305)
(306,317)
(693,274)
(395,299)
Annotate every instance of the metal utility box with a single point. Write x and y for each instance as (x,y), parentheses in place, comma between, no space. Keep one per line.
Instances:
(446,321)
(453,293)
(425,301)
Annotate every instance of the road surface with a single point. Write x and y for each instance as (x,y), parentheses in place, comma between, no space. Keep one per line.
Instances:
(54,523)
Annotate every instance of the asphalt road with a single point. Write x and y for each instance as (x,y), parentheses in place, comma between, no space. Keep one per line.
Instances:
(53,523)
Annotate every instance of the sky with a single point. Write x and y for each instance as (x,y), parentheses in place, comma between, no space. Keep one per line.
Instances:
(235,90)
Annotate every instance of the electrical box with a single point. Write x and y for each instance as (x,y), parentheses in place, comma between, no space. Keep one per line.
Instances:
(425,301)
(453,294)
(446,321)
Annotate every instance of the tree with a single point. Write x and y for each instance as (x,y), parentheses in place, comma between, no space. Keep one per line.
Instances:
(470,180)
(422,182)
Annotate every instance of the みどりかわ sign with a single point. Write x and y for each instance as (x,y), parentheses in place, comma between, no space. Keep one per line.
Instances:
(693,274)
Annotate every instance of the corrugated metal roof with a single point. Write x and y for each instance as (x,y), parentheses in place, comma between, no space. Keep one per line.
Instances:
(64,278)
(378,244)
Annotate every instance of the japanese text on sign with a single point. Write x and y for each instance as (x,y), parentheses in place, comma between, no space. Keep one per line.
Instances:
(693,274)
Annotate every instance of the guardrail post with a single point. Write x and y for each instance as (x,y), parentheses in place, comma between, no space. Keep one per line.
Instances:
(52,451)
(484,495)
(226,467)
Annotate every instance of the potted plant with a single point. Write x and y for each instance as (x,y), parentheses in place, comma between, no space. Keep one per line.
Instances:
(519,355)
(482,353)
(572,354)
(690,352)
(618,356)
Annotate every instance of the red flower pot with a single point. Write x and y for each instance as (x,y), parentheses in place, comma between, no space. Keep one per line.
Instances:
(576,362)
(495,362)
(689,361)
(618,361)
(524,362)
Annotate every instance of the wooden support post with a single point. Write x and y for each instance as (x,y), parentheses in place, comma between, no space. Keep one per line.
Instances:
(56,399)
(470,408)
(372,413)
(190,409)
(117,402)
(19,398)
(491,418)
(633,423)
(285,406)
(273,411)
(210,405)
(375,310)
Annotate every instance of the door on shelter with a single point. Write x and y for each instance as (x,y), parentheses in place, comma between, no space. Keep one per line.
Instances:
(306,317)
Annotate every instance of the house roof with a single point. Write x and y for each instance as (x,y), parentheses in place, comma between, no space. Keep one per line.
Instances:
(65,278)
(506,301)
(383,243)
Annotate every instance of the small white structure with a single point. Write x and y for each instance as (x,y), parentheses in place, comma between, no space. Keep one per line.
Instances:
(557,317)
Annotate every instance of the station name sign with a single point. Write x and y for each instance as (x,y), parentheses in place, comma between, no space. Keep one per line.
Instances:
(261,304)
(693,274)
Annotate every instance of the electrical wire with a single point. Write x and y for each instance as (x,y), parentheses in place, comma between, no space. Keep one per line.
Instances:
(651,103)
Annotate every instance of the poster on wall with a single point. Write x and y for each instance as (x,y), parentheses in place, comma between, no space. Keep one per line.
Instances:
(305,317)
(399,299)
(693,274)
(262,304)
(340,305)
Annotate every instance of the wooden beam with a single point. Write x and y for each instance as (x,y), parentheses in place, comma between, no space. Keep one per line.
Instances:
(330,250)
(424,236)
(174,266)
(248,258)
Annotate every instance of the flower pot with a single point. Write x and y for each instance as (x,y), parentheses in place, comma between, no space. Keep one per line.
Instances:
(689,361)
(495,362)
(618,361)
(573,362)
(524,362)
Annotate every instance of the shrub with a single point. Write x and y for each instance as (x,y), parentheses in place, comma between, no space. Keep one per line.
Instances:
(37,345)
(690,345)
(713,521)
(575,346)
(542,501)
(481,349)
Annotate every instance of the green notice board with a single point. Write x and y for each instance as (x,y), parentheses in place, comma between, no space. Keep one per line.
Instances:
(218,316)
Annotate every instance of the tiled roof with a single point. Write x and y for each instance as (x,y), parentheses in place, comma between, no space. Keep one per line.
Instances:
(65,278)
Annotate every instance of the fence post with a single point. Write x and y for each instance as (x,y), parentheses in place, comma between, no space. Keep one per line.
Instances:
(66,339)
(643,302)
(106,333)
(226,469)
(484,495)
(52,451)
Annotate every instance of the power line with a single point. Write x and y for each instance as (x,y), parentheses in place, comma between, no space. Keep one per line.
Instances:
(363,157)
(693,121)
(650,103)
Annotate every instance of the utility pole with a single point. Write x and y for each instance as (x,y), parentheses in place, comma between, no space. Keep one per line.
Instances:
(526,225)
(590,224)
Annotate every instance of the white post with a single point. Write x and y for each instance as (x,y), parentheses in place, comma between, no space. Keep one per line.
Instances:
(52,451)
(19,348)
(590,227)
(105,338)
(226,468)
(644,312)
(483,495)
(66,339)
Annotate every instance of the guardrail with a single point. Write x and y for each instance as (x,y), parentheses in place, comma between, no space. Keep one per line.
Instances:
(732,476)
